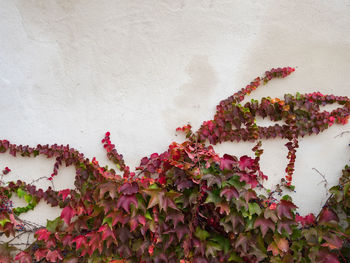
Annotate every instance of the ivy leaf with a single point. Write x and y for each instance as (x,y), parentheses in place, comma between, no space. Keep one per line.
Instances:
(176,217)
(129,188)
(245,162)
(71,260)
(109,187)
(106,233)
(201,234)
(273,248)
(23,257)
(227,162)
(43,234)
(269,213)
(234,257)
(95,241)
(181,231)
(64,193)
(249,179)
(4,221)
(223,242)
(53,256)
(249,195)
(284,209)
(52,225)
(40,254)
(229,192)
(242,241)
(20,192)
(327,215)
(125,201)
(80,241)
(254,208)
(213,197)
(155,194)
(333,242)
(264,224)
(282,244)
(5,253)
(67,214)
(285,224)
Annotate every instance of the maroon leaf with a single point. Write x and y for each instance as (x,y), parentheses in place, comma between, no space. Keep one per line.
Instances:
(176,217)
(264,224)
(125,201)
(249,179)
(284,209)
(129,188)
(227,162)
(286,225)
(229,193)
(327,215)
(109,187)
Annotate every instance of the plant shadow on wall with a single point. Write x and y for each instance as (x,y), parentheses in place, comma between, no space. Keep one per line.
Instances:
(187,204)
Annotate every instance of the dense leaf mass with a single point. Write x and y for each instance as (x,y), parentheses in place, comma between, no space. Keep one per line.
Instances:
(188,204)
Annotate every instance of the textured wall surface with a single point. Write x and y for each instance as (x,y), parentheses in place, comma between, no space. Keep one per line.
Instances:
(72,69)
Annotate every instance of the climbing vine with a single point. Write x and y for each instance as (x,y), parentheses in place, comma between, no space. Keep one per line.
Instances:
(187,204)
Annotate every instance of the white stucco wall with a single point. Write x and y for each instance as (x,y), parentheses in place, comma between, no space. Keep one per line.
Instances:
(71,70)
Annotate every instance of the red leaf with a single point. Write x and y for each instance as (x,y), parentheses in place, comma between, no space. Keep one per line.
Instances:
(43,234)
(306,220)
(284,209)
(67,214)
(23,257)
(227,162)
(125,201)
(106,232)
(79,241)
(64,193)
(95,242)
(141,219)
(328,215)
(53,256)
(40,254)
(249,179)
(245,162)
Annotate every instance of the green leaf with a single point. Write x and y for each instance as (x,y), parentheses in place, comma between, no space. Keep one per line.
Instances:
(148,215)
(214,197)
(20,193)
(4,221)
(109,221)
(52,225)
(201,234)
(223,242)
(28,198)
(254,208)
(234,257)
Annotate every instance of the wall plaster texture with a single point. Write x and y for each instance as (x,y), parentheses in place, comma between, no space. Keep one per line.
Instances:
(70,70)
